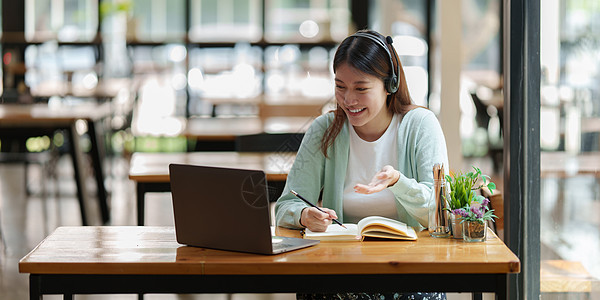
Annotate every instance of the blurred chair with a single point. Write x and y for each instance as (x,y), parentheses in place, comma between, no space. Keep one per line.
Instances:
(269,142)
(490,117)
(497,204)
(15,152)
(47,161)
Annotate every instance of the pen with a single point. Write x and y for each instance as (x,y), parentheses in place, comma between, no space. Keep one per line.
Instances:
(308,202)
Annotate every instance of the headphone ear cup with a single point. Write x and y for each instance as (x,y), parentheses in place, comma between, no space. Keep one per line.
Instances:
(391,84)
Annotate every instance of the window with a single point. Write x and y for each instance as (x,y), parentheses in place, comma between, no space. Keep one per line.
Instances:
(481,95)
(298,73)
(569,132)
(405,21)
(64,20)
(306,20)
(225,20)
(60,70)
(223,75)
(157,20)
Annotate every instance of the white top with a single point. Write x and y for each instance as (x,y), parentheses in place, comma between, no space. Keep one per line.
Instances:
(420,143)
(364,161)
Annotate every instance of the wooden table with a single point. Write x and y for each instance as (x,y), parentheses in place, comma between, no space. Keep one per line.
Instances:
(562,276)
(22,120)
(144,259)
(106,88)
(150,171)
(563,164)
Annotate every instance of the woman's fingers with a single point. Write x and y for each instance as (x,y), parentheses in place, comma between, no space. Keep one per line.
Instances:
(384,178)
(316,220)
(369,189)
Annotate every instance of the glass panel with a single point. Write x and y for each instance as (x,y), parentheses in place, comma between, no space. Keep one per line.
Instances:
(224,76)
(472,76)
(65,20)
(306,20)
(405,21)
(115,18)
(225,20)
(292,75)
(570,158)
(295,73)
(160,72)
(1,51)
(54,70)
(157,20)
(481,89)
(479,102)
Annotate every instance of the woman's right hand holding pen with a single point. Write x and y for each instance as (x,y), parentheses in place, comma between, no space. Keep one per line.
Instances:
(316,220)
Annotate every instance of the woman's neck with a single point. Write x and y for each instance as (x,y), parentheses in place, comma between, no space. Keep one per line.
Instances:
(373,130)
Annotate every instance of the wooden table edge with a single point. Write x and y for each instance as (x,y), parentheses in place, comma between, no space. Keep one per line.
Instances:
(165,178)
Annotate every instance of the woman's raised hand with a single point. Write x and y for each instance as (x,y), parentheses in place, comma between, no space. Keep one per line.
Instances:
(386,177)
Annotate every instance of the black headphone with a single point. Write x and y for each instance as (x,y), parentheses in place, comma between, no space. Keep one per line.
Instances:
(391,83)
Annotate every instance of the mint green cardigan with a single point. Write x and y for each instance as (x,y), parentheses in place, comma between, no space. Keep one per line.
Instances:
(421,144)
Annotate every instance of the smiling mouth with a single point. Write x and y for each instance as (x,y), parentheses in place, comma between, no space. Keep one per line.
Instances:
(355,111)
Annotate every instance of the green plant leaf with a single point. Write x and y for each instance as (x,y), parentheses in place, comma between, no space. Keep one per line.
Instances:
(463,185)
(479,198)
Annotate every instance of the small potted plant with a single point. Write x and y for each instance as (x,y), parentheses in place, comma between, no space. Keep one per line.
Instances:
(463,197)
(474,219)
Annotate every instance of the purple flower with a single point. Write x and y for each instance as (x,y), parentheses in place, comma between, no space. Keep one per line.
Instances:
(485,202)
(460,212)
(475,205)
(478,211)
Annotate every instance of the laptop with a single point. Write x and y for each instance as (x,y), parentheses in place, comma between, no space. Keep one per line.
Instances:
(226,209)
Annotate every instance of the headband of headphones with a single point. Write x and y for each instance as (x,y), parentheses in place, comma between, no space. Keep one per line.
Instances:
(391,83)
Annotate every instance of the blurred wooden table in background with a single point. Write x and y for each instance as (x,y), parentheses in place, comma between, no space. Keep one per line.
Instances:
(150,171)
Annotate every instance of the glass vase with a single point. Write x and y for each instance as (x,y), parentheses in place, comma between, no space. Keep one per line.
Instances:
(457,227)
(474,231)
(439,221)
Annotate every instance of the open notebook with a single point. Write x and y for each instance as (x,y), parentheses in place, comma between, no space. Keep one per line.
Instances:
(368,227)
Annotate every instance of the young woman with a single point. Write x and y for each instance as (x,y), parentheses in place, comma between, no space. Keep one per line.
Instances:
(372,155)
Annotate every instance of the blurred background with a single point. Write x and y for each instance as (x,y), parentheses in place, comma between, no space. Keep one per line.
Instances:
(167,73)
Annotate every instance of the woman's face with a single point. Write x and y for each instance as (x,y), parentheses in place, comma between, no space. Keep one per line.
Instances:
(362,97)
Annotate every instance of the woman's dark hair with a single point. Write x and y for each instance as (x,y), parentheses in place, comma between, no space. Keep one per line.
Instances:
(368,57)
